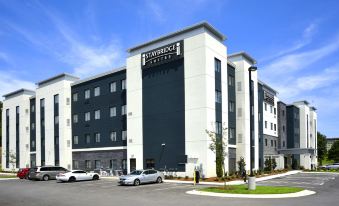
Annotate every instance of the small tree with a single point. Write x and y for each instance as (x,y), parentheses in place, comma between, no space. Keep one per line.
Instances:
(241,165)
(12,160)
(218,145)
(268,164)
(321,147)
(274,164)
(333,153)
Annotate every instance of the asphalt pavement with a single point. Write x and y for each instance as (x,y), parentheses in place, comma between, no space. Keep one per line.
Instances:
(108,192)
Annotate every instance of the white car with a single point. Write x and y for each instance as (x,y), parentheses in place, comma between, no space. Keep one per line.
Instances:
(77,175)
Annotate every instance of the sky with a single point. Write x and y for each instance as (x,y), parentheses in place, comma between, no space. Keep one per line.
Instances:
(296,43)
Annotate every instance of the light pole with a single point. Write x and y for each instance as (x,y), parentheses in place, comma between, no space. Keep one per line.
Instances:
(163,145)
(251,179)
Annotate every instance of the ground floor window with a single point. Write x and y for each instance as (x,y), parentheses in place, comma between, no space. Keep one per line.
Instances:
(113,164)
(88,164)
(97,164)
(75,164)
(150,163)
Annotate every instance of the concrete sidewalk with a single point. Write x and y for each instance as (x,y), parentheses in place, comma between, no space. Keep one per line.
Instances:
(236,182)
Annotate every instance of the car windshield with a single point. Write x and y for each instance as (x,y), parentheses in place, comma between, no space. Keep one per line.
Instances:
(136,172)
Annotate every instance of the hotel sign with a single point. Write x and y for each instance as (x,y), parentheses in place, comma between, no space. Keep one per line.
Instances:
(162,55)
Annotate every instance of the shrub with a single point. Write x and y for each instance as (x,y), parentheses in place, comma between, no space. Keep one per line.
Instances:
(186,177)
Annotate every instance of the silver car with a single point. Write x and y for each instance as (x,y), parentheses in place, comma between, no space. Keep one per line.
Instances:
(332,166)
(138,177)
(45,172)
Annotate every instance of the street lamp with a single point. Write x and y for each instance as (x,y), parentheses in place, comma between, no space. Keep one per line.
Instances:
(251,179)
(163,145)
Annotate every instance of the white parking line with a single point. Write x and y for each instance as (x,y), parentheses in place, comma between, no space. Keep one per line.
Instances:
(178,186)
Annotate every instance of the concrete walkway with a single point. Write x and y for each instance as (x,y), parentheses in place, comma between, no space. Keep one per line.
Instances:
(257,196)
(236,182)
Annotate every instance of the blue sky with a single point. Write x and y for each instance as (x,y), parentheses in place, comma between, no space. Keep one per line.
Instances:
(296,43)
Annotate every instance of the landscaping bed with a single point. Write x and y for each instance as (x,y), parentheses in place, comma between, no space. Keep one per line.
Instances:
(231,177)
(242,189)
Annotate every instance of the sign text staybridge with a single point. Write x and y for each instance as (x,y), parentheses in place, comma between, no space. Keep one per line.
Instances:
(162,55)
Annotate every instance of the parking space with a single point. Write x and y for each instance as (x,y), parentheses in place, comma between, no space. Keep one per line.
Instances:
(304,180)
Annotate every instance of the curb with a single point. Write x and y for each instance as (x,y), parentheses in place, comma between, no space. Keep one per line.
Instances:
(236,182)
(255,196)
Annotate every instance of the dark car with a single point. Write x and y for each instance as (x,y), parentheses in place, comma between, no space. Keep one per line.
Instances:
(45,172)
(23,173)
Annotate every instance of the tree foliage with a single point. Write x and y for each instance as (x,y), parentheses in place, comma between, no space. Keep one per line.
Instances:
(218,145)
(321,147)
(333,153)
(241,165)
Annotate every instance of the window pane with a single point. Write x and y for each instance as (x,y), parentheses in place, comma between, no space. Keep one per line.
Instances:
(97,114)
(113,87)
(123,84)
(96,91)
(113,111)
(87,94)
(75,97)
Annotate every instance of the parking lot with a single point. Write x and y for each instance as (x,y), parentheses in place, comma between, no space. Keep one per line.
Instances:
(108,192)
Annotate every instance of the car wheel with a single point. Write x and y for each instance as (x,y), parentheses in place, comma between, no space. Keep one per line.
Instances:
(95,177)
(136,182)
(71,179)
(159,180)
(45,178)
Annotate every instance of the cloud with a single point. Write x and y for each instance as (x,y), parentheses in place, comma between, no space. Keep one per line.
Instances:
(65,44)
(306,38)
(294,62)
(9,83)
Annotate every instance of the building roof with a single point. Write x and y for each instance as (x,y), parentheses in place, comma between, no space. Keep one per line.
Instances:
(99,75)
(59,76)
(20,91)
(244,54)
(203,24)
(232,64)
(268,87)
(313,108)
(302,102)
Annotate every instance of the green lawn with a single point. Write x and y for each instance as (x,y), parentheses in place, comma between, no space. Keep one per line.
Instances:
(7,176)
(242,189)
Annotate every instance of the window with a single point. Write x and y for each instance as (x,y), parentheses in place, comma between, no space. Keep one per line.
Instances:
(231,133)
(275,143)
(265,124)
(97,137)
(123,110)
(271,109)
(217,96)
(218,128)
(88,164)
(123,84)
(56,139)
(113,136)
(217,65)
(75,118)
(87,94)
(97,91)
(113,164)
(283,128)
(283,113)
(68,101)
(112,111)
(33,126)
(56,99)
(33,108)
(124,135)
(239,86)
(7,112)
(97,114)
(33,143)
(88,138)
(97,164)
(275,111)
(271,142)
(275,127)
(87,116)
(265,142)
(265,106)
(75,97)
(42,102)
(56,119)
(231,106)
(231,80)
(150,163)
(271,126)
(283,143)
(76,140)
(75,164)
(113,87)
